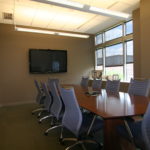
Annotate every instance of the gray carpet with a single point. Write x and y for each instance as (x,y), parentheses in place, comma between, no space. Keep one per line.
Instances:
(19,130)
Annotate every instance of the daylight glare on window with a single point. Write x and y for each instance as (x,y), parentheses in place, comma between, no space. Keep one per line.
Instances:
(114,51)
(113,33)
(129,51)
(129,27)
(99,59)
(98,39)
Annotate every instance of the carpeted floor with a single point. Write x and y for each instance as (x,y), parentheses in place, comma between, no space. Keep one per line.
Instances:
(19,130)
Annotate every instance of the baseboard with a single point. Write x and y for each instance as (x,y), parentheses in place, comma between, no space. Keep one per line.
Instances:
(17,103)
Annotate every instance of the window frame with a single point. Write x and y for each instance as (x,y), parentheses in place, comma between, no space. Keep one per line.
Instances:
(123,39)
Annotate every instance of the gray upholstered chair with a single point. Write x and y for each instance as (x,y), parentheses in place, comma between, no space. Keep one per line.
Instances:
(49,97)
(47,102)
(146,128)
(40,97)
(139,87)
(96,84)
(76,121)
(138,132)
(84,82)
(56,109)
(113,86)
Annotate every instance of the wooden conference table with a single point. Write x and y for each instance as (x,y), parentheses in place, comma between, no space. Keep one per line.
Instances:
(112,108)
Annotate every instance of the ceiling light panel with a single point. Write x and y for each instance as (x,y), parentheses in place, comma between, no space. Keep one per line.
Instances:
(70,20)
(42,18)
(120,6)
(102,25)
(24,15)
(92,23)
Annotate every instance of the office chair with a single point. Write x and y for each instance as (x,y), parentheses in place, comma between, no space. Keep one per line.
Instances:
(56,82)
(84,82)
(113,86)
(57,108)
(39,98)
(146,128)
(47,103)
(138,132)
(49,97)
(96,84)
(76,121)
(139,87)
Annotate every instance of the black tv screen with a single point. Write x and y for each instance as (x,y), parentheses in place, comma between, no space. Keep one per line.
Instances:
(47,61)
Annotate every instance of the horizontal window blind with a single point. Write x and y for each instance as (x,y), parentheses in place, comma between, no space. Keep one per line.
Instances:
(114,55)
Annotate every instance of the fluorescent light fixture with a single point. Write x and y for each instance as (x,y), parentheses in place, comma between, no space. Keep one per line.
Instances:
(51,32)
(33,30)
(73,35)
(67,2)
(109,12)
(86,8)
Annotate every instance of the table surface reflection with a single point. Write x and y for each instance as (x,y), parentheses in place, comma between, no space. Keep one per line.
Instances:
(109,105)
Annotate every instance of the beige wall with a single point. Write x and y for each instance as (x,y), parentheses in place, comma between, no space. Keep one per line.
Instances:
(141,18)
(16,83)
(136,43)
(145,38)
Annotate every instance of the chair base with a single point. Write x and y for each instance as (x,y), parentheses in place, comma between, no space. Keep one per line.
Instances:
(37,110)
(45,117)
(51,128)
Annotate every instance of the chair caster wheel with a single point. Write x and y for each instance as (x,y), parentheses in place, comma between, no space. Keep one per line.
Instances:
(45,133)
(32,113)
(61,141)
(39,122)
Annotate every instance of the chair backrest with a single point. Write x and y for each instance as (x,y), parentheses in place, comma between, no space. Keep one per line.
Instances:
(84,82)
(40,94)
(57,104)
(56,82)
(139,87)
(48,98)
(146,128)
(72,118)
(96,84)
(113,86)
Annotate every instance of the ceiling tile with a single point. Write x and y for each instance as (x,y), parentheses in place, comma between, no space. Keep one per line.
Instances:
(31,13)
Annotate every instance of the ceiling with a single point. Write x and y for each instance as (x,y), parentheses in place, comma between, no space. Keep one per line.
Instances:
(35,14)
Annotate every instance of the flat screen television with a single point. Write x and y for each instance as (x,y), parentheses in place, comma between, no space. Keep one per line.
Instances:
(42,61)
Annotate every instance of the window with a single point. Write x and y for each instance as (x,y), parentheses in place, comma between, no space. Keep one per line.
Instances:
(114,60)
(98,39)
(112,57)
(129,60)
(113,33)
(129,27)
(99,59)
(129,51)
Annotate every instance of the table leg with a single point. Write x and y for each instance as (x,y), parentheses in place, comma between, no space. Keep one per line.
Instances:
(111,139)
